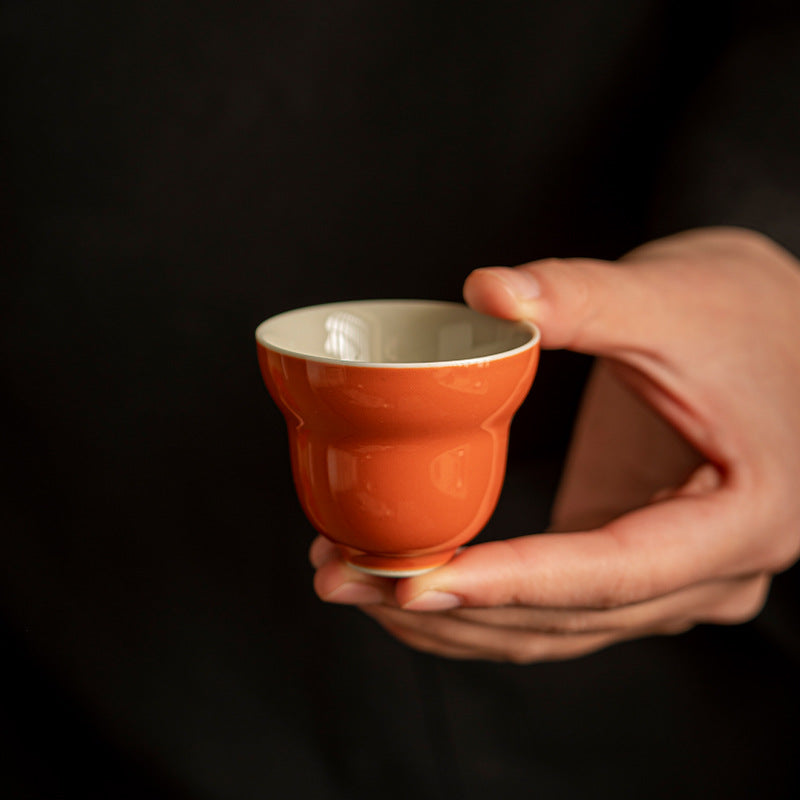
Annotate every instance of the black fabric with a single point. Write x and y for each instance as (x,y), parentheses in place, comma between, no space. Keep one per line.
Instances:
(172,174)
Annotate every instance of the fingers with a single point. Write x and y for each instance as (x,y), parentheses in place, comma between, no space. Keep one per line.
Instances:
(691,538)
(460,639)
(647,553)
(525,635)
(585,305)
(337,582)
(725,602)
(621,454)
(419,640)
(650,552)
(321,551)
(642,302)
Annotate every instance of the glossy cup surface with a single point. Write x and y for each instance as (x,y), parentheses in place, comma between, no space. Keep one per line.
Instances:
(398,415)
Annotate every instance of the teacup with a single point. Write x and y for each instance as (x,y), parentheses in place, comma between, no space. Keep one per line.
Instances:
(398,414)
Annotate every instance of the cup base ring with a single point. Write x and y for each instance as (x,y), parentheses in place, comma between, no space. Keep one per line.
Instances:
(396,566)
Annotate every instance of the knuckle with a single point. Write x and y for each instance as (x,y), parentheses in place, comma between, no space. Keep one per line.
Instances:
(607,601)
(579,622)
(733,614)
(743,605)
(620,591)
(525,651)
(579,283)
(752,240)
(580,297)
(547,264)
(783,552)
(618,581)
(570,284)
(774,515)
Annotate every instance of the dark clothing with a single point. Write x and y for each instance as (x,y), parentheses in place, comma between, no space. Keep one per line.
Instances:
(173,173)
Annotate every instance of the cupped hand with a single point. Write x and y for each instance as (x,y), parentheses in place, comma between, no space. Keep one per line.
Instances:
(681,496)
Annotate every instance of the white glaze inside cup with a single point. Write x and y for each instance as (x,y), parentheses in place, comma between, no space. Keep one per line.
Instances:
(394,333)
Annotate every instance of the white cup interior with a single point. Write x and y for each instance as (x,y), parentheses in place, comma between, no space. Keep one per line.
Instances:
(394,332)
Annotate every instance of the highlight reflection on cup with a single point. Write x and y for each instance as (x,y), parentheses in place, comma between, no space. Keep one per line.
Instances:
(398,414)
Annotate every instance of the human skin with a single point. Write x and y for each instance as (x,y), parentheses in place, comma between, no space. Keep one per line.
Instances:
(681,495)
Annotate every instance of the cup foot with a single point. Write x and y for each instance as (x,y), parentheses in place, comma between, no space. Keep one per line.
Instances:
(396,566)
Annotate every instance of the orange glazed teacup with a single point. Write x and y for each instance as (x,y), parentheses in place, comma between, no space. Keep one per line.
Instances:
(398,414)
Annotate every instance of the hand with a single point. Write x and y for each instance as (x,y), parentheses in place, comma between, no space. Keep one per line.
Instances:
(622,456)
(698,335)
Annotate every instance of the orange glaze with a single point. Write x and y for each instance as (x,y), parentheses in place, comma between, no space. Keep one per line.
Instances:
(398,465)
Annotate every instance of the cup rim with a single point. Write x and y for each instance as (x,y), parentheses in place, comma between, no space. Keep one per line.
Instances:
(529,326)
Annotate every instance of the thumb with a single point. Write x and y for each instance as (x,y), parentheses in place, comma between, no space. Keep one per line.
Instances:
(586,305)
(642,555)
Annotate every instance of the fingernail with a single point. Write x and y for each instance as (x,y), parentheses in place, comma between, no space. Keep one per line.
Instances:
(520,281)
(354,593)
(433,601)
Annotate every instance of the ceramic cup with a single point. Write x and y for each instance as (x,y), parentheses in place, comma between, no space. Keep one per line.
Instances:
(398,414)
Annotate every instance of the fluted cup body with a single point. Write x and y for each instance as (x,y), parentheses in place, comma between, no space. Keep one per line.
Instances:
(401,462)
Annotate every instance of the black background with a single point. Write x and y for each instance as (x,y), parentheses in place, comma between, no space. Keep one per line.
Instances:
(175,172)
